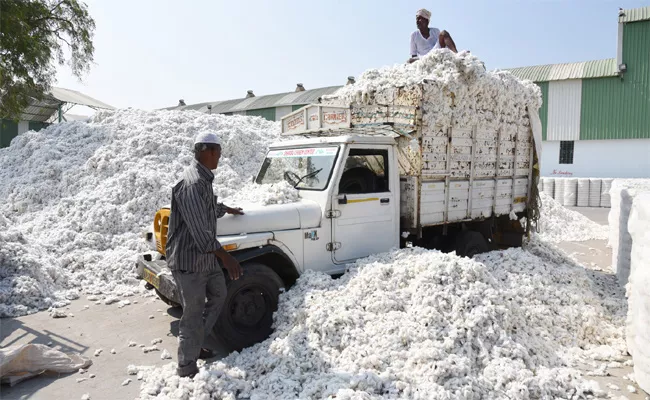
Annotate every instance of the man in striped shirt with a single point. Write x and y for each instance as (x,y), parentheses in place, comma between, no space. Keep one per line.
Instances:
(192,251)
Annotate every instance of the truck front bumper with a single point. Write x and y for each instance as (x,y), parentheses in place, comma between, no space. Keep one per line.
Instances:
(156,274)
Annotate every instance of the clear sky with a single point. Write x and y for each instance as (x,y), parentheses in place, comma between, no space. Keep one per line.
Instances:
(150,53)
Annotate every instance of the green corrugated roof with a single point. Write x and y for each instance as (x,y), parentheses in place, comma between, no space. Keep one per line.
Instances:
(634,15)
(559,72)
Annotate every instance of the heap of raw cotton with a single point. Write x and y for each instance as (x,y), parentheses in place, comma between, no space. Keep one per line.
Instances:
(623,193)
(455,86)
(638,321)
(421,324)
(558,224)
(30,279)
(77,196)
(265,194)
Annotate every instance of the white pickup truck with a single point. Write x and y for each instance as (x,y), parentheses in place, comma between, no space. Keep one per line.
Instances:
(371,179)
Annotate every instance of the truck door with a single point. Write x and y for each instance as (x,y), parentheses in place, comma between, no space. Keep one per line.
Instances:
(365,205)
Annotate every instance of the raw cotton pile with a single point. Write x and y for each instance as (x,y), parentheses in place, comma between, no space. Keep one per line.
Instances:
(557,223)
(638,321)
(30,279)
(622,195)
(265,194)
(84,192)
(455,86)
(421,324)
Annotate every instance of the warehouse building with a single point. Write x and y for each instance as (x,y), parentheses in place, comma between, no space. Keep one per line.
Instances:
(52,108)
(272,107)
(595,116)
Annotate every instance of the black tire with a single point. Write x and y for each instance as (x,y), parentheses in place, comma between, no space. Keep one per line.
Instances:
(470,243)
(167,301)
(357,180)
(247,314)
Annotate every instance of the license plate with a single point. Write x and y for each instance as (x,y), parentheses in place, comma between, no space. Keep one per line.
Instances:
(151,278)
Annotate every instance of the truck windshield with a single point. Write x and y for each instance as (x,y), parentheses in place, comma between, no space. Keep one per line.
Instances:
(305,168)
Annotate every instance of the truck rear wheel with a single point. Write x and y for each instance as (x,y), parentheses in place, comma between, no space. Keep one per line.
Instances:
(247,314)
(470,243)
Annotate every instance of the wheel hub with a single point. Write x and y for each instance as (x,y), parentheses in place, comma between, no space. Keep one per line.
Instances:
(249,307)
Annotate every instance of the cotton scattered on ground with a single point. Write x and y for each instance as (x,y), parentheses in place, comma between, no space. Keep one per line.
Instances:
(150,349)
(422,324)
(75,197)
(560,224)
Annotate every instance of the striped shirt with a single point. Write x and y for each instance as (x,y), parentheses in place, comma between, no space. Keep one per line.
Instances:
(192,234)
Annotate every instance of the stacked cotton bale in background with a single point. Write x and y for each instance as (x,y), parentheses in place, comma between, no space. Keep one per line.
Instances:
(583,192)
(559,190)
(595,185)
(549,187)
(570,192)
(605,198)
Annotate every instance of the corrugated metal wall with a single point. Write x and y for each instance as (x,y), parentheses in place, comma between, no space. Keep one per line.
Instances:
(620,109)
(564,100)
(8,131)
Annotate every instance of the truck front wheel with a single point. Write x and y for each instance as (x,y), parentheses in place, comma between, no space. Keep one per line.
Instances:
(247,314)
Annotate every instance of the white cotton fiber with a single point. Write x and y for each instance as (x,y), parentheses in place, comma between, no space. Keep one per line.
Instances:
(558,223)
(421,324)
(638,315)
(622,194)
(75,197)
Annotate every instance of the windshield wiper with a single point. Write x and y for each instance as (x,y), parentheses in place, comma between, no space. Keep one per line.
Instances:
(309,175)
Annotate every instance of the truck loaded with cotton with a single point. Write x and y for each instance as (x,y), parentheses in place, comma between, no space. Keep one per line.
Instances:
(440,154)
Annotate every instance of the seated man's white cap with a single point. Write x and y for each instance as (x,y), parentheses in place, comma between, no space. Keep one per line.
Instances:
(207,137)
(423,13)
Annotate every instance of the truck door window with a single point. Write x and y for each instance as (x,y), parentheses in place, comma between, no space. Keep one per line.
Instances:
(366,171)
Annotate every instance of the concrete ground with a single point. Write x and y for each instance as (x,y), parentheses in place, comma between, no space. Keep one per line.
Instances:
(108,327)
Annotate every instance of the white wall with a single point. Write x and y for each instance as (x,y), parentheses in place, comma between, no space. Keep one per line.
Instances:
(627,158)
(282,111)
(23,126)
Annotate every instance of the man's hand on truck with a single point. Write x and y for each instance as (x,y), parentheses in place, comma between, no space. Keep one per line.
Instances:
(230,264)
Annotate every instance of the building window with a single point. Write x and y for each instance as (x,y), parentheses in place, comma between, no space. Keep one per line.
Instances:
(566,152)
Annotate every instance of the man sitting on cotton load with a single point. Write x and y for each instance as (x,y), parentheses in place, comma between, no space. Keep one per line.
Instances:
(425,39)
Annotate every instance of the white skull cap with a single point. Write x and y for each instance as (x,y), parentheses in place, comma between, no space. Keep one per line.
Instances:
(207,137)
(424,13)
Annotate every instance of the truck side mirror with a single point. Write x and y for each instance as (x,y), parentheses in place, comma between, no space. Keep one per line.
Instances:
(343,200)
